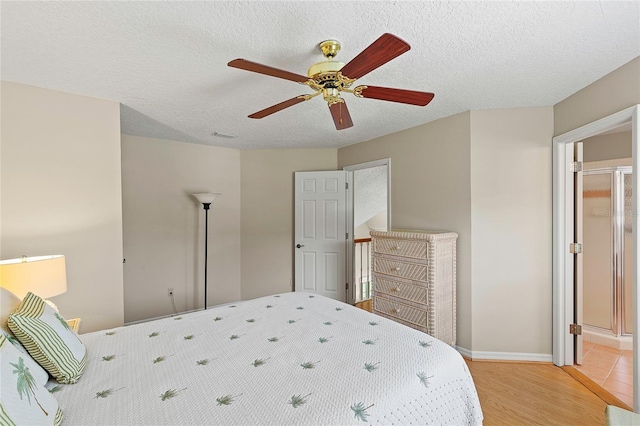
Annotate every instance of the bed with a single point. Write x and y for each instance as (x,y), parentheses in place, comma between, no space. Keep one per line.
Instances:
(293,358)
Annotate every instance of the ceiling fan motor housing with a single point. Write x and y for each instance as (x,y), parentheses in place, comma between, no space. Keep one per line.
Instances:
(326,76)
(325,67)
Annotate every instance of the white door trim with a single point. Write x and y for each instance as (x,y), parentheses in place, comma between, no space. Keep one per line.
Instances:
(578,305)
(563,193)
(351,297)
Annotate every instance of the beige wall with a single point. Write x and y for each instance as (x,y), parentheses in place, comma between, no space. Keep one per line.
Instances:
(430,189)
(379,221)
(267,215)
(164,225)
(607,147)
(61,194)
(511,223)
(487,176)
(614,92)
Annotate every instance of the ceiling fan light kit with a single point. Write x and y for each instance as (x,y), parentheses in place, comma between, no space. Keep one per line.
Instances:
(330,78)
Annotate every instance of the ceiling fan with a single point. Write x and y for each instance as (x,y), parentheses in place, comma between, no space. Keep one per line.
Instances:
(330,78)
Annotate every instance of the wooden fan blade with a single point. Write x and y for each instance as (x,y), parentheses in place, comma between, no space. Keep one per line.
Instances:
(278,107)
(243,64)
(381,51)
(341,116)
(396,95)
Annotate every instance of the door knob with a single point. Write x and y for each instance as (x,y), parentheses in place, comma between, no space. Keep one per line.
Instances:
(299,245)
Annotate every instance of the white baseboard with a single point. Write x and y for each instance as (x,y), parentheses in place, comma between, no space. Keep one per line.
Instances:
(504,356)
(464,352)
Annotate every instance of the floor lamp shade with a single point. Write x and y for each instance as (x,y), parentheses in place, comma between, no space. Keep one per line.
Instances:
(206,198)
(44,276)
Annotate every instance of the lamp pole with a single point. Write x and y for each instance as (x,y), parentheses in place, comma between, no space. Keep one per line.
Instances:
(206,198)
(206,247)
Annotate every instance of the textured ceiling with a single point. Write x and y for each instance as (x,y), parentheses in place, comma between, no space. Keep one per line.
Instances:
(166,61)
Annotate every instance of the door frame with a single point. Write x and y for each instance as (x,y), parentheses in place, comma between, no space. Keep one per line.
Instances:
(578,299)
(351,296)
(563,225)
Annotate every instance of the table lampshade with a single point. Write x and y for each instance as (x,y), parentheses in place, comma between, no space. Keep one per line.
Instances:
(44,276)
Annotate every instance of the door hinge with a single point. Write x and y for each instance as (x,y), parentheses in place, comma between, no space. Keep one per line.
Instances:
(575,248)
(346,236)
(347,287)
(576,166)
(346,185)
(575,329)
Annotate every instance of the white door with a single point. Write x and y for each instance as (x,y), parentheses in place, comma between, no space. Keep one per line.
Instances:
(579,264)
(320,233)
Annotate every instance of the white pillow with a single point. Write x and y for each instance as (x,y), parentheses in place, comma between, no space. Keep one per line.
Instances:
(22,400)
(41,376)
(9,302)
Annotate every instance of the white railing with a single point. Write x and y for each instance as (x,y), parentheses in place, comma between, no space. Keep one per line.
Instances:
(362,267)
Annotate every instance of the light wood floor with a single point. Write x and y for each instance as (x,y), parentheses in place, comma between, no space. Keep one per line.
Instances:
(365,304)
(533,394)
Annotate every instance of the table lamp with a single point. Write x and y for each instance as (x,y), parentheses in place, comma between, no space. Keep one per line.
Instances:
(44,276)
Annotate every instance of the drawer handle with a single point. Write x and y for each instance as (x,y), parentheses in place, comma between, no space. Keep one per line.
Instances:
(396,289)
(395,248)
(397,269)
(395,311)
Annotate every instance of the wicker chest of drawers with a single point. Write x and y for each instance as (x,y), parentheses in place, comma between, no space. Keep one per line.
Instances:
(414,280)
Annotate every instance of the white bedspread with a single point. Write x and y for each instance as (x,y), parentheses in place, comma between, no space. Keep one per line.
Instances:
(289,359)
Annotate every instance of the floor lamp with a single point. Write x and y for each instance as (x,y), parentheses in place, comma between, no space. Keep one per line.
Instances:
(206,198)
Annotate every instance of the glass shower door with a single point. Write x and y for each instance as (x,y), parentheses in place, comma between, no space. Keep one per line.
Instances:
(598,249)
(627,258)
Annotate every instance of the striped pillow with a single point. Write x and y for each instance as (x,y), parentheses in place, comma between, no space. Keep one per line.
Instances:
(48,338)
(22,400)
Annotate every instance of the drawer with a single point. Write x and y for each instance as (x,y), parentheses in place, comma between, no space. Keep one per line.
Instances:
(412,249)
(401,311)
(400,269)
(405,291)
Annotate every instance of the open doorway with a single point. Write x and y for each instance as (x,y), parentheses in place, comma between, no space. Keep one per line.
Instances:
(566,334)
(606,235)
(370,207)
